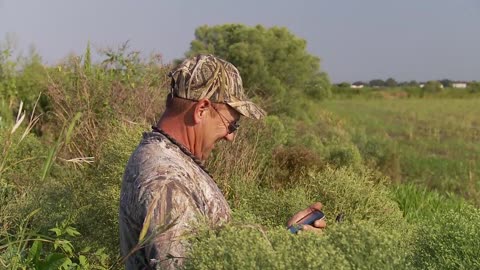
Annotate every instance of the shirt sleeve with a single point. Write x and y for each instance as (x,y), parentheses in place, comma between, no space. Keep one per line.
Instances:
(171,213)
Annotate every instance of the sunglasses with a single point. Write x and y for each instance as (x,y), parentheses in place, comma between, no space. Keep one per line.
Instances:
(232,126)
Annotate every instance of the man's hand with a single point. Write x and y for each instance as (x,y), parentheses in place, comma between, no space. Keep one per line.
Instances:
(318,225)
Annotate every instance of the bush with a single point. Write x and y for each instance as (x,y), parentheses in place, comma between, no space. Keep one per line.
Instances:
(365,245)
(360,196)
(20,171)
(292,162)
(349,246)
(449,240)
(374,234)
(125,88)
(268,207)
(23,160)
(249,157)
(251,247)
(81,195)
(432,87)
(341,156)
(98,192)
(24,248)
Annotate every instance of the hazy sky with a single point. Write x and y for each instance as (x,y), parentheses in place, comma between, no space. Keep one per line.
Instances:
(355,39)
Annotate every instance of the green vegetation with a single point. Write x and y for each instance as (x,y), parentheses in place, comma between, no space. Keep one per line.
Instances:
(273,62)
(399,164)
(432,142)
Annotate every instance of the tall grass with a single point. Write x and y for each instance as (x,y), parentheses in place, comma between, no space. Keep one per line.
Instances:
(43,161)
(21,246)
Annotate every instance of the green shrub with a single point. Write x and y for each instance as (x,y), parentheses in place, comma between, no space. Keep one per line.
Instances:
(448,228)
(366,245)
(449,240)
(342,156)
(24,248)
(55,197)
(432,87)
(373,225)
(84,196)
(31,82)
(291,162)
(249,156)
(328,128)
(25,159)
(124,88)
(20,170)
(360,196)
(349,246)
(266,206)
(98,192)
(251,247)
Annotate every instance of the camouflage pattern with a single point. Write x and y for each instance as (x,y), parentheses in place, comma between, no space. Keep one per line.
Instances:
(206,76)
(163,187)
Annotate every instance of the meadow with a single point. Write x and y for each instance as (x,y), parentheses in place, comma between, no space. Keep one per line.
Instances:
(401,171)
(432,141)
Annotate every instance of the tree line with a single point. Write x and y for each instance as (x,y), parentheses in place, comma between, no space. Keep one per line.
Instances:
(391,82)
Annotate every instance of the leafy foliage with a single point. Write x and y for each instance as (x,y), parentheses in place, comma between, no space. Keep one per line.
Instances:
(26,249)
(273,62)
(449,240)
(347,246)
(432,87)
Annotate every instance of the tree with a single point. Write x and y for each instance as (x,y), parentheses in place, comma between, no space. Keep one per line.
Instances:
(376,83)
(272,61)
(446,82)
(344,85)
(432,87)
(474,87)
(413,83)
(390,82)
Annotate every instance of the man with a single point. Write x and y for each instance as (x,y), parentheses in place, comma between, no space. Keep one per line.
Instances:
(165,187)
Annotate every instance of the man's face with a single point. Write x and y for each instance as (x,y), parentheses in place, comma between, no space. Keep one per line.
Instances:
(217,127)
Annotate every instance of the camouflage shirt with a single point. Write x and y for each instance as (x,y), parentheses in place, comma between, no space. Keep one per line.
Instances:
(164,188)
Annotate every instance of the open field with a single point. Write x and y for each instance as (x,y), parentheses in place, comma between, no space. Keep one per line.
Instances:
(434,140)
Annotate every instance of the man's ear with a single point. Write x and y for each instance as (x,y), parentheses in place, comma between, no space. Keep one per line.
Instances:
(201,110)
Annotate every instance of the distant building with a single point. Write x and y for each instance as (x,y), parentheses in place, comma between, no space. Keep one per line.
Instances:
(459,85)
(357,85)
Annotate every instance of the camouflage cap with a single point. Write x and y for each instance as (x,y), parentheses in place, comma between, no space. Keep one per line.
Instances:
(207,76)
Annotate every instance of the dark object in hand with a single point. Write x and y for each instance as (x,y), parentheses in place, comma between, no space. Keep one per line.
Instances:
(306,220)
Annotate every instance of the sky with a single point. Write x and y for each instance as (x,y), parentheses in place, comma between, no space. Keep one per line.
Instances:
(356,40)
